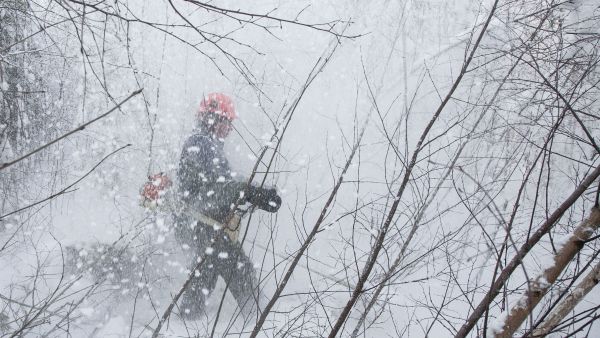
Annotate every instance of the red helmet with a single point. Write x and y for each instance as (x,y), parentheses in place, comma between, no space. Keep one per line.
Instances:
(217,103)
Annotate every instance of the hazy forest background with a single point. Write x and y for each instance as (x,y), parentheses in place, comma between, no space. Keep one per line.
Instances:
(438,163)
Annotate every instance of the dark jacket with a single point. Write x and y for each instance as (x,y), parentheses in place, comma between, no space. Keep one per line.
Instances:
(205,179)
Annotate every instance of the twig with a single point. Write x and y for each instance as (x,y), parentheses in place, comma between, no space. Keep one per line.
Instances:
(81,127)
(309,238)
(167,312)
(517,259)
(372,259)
(65,190)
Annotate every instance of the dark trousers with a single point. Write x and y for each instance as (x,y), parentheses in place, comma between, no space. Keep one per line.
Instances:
(222,257)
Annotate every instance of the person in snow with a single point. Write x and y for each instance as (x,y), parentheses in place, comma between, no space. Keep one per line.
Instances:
(208,189)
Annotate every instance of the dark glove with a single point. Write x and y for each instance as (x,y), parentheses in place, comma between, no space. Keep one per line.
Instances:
(265,198)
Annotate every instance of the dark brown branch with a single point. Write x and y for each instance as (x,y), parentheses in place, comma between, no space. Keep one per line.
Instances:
(66,189)
(311,235)
(81,127)
(390,216)
(184,287)
(317,26)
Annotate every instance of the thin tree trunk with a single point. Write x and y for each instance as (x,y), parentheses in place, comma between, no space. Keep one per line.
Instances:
(541,285)
(569,303)
(517,259)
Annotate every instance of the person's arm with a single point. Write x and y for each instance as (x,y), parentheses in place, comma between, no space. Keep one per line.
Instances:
(266,199)
(207,177)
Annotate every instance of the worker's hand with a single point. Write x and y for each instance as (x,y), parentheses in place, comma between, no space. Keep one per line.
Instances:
(266,199)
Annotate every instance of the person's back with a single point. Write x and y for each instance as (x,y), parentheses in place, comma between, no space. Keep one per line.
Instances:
(205,179)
